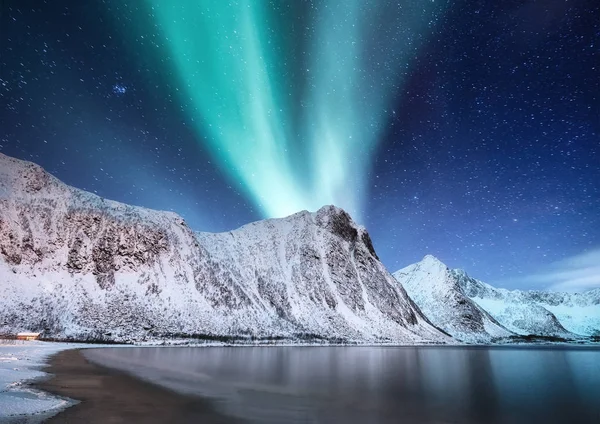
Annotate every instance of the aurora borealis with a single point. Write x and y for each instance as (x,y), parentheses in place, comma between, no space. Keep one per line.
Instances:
(465,129)
(238,82)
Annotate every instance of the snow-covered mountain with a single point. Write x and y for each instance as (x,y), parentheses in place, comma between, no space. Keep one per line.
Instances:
(436,290)
(75,265)
(473,311)
(537,312)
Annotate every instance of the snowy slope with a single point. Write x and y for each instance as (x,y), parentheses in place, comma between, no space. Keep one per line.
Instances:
(75,265)
(537,312)
(473,311)
(435,289)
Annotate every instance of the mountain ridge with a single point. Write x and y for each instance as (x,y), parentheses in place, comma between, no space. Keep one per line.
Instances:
(77,266)
(80,266)
(432,286)
(570,313)
(517,312)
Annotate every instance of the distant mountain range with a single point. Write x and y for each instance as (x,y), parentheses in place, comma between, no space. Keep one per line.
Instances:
(473,311)
(537,312)
(76,266)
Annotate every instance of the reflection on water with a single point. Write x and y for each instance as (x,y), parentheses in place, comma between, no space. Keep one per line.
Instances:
(378,384)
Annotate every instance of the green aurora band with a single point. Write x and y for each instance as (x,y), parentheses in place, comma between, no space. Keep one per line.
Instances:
(291,100)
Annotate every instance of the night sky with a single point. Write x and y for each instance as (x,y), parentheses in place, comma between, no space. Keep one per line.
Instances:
(469,130)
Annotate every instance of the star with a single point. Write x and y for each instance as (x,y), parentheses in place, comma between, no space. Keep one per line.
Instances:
(119,89)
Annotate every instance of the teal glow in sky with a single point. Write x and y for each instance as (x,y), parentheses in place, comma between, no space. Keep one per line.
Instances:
(292,112)
(465,129)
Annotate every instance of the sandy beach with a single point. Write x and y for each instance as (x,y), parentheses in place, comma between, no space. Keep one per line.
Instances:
(109,396)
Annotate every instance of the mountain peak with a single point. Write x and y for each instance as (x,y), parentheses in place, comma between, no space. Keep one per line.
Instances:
(435,289)
(432,264)
(330,209)
(431,259)
(339,222)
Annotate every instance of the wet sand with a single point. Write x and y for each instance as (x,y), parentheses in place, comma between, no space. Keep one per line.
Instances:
(110,396)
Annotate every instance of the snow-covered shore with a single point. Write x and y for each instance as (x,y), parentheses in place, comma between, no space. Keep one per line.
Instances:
(20,363)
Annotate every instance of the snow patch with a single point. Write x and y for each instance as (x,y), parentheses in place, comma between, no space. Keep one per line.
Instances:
(20,364)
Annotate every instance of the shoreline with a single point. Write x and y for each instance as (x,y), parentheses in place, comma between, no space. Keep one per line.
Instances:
(99,394)
(108,395)
(21,365)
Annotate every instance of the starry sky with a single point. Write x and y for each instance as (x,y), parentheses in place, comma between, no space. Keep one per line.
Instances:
(465,129)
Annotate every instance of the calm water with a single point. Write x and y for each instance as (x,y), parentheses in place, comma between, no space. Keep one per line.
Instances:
(378,384)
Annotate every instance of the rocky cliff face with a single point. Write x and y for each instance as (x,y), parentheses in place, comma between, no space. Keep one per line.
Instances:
(75,265)
(436,290)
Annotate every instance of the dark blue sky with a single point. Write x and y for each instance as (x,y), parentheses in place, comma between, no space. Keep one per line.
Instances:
(490,158)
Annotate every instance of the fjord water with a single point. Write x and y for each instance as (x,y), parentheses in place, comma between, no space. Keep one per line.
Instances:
(378,384)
